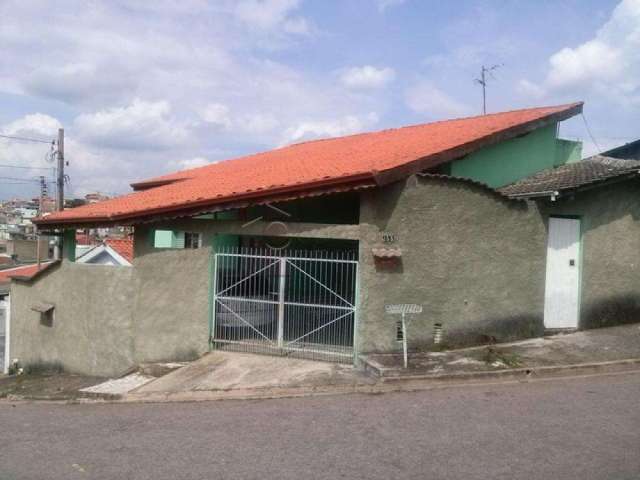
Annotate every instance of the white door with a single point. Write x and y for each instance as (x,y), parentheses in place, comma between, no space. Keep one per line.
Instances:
(562,287)
(4,314)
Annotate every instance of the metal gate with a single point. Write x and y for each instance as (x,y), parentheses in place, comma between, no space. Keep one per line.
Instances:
(285,303)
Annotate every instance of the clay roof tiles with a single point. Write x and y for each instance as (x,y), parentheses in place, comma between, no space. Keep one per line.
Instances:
(371,158)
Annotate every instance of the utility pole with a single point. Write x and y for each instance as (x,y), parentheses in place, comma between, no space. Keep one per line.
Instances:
(60,189)
(60,179)
(483,83)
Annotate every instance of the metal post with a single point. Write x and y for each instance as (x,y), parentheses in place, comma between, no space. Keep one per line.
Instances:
(281,290)
(404,341)
(356,316)
(213,265)
(7,335)
(60,190)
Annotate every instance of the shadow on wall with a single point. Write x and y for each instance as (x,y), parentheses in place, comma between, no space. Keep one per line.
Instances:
(612,311)
(498,330)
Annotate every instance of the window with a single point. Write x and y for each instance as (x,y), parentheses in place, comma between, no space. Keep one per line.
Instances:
(176,239)
(192,240)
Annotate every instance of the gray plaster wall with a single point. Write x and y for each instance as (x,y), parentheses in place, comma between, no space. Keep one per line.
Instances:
(92,331)
(171,309)
(474,260)
(610,250)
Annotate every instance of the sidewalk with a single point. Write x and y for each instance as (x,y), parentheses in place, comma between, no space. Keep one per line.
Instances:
(229,375)
(604,345)
(226,375)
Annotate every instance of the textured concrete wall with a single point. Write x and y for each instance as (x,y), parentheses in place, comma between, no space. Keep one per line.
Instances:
(92,329)
(171,310)
(610,224)
(474,260)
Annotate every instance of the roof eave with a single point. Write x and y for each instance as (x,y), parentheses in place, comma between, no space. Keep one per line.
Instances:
(344,184)
(431,161)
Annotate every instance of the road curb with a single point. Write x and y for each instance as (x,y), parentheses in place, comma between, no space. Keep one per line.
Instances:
(389,384)
(396,383)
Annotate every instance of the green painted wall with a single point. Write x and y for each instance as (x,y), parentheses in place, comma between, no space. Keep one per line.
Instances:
(69,245)
(509,161)
(568,151)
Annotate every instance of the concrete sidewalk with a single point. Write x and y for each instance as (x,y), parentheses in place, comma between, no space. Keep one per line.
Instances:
(227,375)
(603,345)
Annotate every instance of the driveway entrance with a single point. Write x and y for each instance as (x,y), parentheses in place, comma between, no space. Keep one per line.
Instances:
(285,303)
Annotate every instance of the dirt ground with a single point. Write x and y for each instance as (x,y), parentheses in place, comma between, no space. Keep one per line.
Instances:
(45,386)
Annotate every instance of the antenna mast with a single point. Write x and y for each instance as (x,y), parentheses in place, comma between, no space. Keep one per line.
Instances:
(484,73)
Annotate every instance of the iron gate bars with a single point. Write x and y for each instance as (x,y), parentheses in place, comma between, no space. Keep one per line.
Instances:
(285,303)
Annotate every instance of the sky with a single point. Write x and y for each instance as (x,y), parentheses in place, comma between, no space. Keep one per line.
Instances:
(145,88)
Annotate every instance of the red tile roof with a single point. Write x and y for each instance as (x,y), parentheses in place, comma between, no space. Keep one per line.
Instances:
(25,271)
(124,246)
(355,160)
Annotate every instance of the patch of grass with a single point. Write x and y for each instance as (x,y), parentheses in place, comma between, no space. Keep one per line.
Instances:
(43,368)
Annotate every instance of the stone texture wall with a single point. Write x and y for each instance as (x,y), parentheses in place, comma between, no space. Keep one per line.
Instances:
(171,309)
(474,260)
(610,224)
(91,332)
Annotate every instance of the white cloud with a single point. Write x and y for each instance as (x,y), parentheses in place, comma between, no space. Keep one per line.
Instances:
(188,163)
(425,98)
(217,114)
(89,169)
(271,14)
(367,76)
(37,125)
(384,4)
(530,89)
(258,123)
(313,129)
(142,87)
(608,64)
(138,125)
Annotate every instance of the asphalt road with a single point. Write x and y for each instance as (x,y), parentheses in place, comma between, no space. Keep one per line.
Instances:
(583,429)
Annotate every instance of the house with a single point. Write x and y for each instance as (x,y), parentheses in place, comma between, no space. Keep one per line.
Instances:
(113,251)
(24,271)
(296,251)
(593,206)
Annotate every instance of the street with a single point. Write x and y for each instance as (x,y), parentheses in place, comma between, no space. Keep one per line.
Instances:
(582,428)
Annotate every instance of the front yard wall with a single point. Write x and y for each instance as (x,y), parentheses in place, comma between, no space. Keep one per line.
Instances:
(474,260)
(610,248)
(91,332)
(172,304)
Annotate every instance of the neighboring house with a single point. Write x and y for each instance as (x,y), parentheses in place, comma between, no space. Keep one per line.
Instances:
(593,251)
(23,271)
(111,252)
(297,250)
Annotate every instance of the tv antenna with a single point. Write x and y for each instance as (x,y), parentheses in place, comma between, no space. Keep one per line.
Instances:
(486,72)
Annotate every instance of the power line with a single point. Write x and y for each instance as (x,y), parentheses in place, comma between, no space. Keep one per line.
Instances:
(25,167)
(584,119)
(27,139)
(19,179)
(607,137)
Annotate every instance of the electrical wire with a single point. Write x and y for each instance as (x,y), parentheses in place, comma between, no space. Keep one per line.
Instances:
(584,119)
(20,179)
(26,168)
(27,139)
